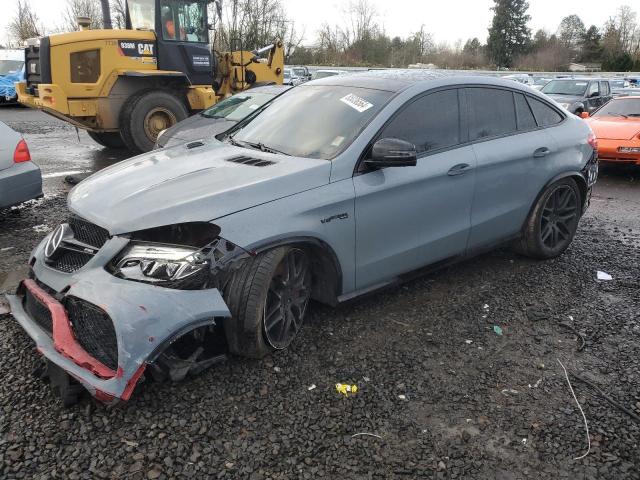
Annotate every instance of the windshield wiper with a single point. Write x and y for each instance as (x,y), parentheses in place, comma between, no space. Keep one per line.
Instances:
(616,114)
(256,146)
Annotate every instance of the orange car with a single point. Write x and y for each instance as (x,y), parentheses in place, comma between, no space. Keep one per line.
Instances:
(617,128)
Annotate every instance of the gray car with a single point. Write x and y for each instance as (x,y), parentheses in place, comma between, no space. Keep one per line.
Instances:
(336,188)
(20,178)
(219,118)
(579,94)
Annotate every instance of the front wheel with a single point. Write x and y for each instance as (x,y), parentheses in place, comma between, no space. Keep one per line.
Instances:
(553,222)
(147,114)
(267,296)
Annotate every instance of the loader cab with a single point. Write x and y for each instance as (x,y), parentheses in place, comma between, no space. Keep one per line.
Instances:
(182,35)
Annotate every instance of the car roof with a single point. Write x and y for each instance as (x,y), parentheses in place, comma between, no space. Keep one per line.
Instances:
(397,80)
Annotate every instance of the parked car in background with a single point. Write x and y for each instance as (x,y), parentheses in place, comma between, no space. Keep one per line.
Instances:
(290,78)
(579,94)
(11,71)
(619,86)
(617,128)
(219,118)
(336,188)
(302,72)
(525,78)
(539,82)
(328,73)
(20,178)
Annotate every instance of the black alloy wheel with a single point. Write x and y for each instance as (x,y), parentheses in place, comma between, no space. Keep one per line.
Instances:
(287,299)
(559,218)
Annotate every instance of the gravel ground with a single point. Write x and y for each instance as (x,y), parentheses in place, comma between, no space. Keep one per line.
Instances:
(445,395)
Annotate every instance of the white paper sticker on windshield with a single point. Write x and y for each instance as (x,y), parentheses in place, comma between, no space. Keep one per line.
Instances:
(354,101)
(337,141)
(581,84)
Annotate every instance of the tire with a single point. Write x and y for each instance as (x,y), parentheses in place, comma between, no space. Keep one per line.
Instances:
(145,115)
(107,139)
(553,222)
(252,298)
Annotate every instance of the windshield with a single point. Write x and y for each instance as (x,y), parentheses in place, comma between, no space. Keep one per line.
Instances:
(541,81)
(565,87)
(313,121)
(620,107)
(287,73)
(183,21)
(238,106)
(299,72)
(142,14)
(10,66)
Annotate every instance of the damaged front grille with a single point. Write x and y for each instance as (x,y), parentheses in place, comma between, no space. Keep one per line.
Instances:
(38,312)
(70,261)
(93,330)
(254,162)
(79,245)
(87,232)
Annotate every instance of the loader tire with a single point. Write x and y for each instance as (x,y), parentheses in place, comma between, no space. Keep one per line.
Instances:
(107,139)
(145,115)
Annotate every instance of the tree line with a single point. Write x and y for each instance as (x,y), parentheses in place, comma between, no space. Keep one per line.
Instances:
(362,41)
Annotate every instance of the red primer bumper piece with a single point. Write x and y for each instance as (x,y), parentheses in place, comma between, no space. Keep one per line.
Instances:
(63,337)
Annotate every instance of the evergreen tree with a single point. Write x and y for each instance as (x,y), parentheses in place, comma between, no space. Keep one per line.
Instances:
(508,35)
(591,45)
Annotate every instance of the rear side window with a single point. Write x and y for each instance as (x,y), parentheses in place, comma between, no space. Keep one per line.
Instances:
(604,88)
(523,113)
(545,115)
(430,122)
(491,112)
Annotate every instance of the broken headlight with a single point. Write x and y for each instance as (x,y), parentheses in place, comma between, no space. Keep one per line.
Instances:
(165,265)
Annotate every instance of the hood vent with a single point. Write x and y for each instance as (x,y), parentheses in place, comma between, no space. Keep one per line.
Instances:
(254,162)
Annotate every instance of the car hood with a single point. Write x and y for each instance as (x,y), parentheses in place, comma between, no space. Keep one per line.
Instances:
(615,128)
(195,128)
(565,98)
(178,184)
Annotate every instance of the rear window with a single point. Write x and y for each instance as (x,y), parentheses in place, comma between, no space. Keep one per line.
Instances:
(545,115)
(620,107)
(491,112)
(523,113)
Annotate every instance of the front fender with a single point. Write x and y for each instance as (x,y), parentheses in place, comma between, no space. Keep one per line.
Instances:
(324,214)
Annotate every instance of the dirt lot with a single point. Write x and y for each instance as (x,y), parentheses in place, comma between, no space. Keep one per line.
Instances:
(443,393)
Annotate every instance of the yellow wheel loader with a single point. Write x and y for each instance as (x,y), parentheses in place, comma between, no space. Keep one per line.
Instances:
(125,86)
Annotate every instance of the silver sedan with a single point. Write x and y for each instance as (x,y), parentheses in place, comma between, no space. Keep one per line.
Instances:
(20,178)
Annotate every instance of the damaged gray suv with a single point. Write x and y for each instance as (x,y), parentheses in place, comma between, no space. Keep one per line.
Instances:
(336,188)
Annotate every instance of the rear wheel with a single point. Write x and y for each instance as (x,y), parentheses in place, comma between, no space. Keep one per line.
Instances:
(267,297)
(107,139)
(553,222)
(145,115)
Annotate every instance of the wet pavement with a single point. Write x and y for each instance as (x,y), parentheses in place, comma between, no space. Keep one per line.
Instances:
(443,394)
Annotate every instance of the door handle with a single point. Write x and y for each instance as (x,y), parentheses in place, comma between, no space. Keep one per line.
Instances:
(541,152)
(459,169)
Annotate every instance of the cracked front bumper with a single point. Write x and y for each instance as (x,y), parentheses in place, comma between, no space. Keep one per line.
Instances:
(146,319)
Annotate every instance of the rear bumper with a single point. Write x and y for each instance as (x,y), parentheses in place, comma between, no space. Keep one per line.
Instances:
(608,151)
(19,183)
(145,318)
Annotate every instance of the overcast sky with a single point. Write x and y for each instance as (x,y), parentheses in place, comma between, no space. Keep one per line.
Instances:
(446,20)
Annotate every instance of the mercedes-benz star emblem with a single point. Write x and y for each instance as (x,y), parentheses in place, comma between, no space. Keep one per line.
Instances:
(55,240)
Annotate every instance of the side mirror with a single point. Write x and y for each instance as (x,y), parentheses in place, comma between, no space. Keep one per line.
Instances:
(392,152)
(584,115)
(594,94)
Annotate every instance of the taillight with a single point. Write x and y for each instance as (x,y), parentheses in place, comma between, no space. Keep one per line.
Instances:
(593,141)
(21,153)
